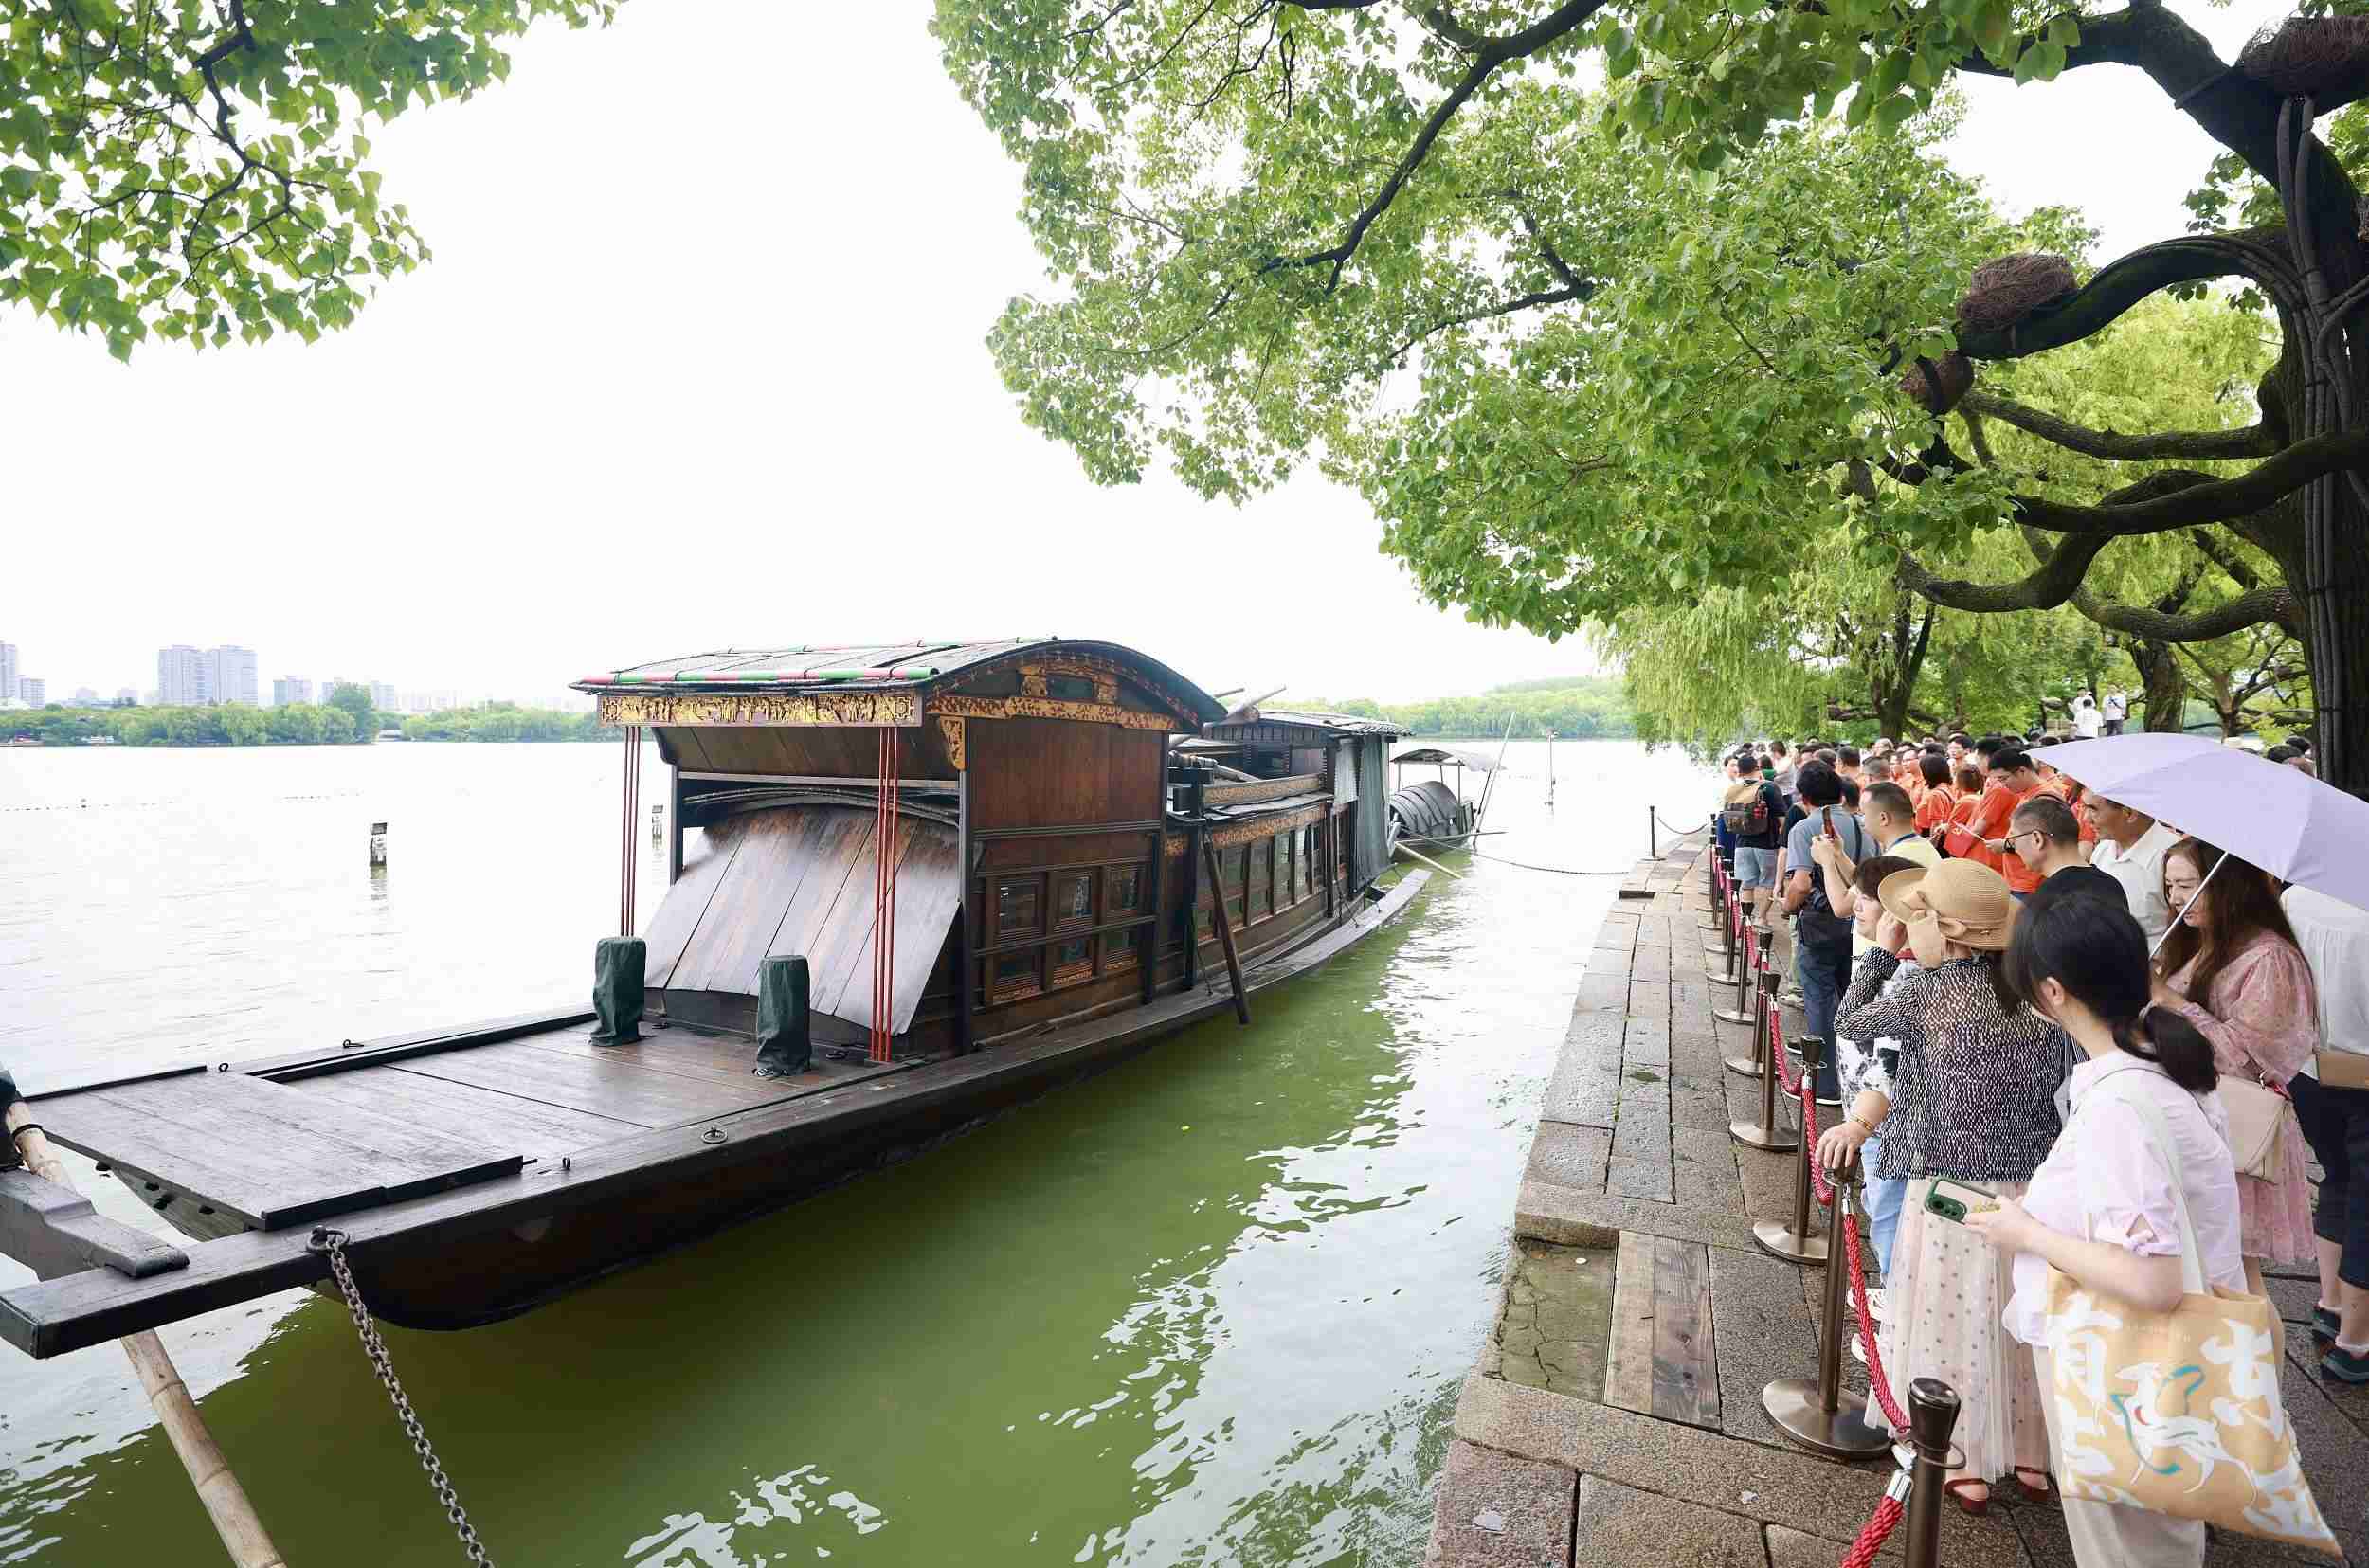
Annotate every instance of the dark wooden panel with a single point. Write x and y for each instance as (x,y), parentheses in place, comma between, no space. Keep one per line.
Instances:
(777,851)
(1056,772)
(604,1086)
(686,902)
(1686,1385)
(540,1130)
(268,1153)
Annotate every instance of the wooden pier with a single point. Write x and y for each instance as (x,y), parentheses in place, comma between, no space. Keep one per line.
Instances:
(1616,1414)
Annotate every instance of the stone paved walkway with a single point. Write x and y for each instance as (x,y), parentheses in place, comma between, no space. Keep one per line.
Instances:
(1615,1417)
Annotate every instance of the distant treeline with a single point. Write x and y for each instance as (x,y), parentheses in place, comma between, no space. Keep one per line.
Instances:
(1582,708)
(505,721)
(296,724)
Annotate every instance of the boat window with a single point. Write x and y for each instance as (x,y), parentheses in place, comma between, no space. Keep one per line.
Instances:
(1015,907)
(1118,949)
(1073,898)
(1069,687)
(1285,889)
(1308,859)
(1015,974)
(1125,890)
(1072,961)
(1261,857)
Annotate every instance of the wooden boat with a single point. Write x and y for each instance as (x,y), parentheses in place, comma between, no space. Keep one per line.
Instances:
(1431,815)
(1060,840)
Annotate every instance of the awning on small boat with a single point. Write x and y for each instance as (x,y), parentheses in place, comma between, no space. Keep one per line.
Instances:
(1445,755)
(799,879)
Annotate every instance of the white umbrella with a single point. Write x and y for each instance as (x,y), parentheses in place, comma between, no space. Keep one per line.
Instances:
(2276,817)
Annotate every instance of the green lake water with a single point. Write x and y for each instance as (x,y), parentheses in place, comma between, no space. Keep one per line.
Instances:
(1212,1307)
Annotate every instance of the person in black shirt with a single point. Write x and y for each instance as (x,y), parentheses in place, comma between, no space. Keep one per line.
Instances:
(2044,834)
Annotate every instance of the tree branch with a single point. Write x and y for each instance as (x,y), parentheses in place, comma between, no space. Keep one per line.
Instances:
(1577,291)
(1564,19)
(2256,441)
(2249,609)
(2199,497)
(2258,254)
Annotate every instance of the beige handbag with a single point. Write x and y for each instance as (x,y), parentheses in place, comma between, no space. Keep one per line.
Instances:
(2260,1122)
(2179,1412)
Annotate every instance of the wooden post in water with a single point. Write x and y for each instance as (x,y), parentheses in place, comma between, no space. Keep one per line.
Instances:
(235,1520)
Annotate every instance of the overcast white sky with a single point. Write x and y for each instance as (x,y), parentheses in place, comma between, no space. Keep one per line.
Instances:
(698,363)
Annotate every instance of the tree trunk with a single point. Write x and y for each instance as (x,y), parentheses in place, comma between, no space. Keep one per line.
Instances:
(2163,690)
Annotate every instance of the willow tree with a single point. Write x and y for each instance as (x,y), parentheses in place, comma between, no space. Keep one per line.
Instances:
(197,170)
(1254,212)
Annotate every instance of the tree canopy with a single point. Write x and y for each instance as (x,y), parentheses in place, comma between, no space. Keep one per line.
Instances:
(1602,352)
(197,168)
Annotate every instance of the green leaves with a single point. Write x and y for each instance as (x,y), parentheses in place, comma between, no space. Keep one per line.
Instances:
(125,208)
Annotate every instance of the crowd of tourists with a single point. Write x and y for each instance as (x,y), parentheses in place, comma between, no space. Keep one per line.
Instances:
(2066,1036)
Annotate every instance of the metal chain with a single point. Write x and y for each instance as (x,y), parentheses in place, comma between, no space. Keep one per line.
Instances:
(334,1244)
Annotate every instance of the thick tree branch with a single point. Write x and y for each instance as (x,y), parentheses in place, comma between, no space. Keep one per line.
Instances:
(2054,581)
(1564,19)
(2238,568)
(2201,499)
(2251,609)
(2257,254)
(2256,441)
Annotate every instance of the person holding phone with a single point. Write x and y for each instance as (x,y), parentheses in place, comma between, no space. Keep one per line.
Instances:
(1972,1111)
(2105,1205)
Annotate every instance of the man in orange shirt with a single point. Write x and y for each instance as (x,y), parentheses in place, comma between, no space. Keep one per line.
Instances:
(2017,782)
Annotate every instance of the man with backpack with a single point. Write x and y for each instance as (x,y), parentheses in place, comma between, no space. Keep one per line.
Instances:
(1755,811)
(1821,937)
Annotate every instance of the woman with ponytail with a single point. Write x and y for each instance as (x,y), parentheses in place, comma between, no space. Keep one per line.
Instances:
(2102,1207)
(2232,968)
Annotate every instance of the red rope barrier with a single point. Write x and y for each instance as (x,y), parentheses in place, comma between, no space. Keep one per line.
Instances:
(1877,1378)
(1873,1533)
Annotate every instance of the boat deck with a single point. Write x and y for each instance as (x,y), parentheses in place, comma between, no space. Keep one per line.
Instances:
(422,1141)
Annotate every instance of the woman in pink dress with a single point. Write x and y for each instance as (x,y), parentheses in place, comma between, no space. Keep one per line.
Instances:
(2231,968)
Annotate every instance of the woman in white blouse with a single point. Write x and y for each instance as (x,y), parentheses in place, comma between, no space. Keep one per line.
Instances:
(2101,1207)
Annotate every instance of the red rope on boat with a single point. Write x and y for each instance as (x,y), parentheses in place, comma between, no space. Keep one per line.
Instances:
(1874,1533)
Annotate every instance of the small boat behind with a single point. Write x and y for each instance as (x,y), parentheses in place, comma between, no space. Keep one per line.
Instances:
(1433,814)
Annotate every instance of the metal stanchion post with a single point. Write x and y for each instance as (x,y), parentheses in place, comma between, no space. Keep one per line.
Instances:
(1755,960)
(1770,1131)
(1933,1416)
(1723,910)
(1742,1012)
(1812,1413)
(1794,1242)
(1653,836)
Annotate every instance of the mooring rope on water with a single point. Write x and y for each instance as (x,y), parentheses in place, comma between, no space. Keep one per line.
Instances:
(332,1243)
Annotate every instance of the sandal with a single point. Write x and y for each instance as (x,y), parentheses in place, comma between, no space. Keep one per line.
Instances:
(2035,1483)
(1978,1507)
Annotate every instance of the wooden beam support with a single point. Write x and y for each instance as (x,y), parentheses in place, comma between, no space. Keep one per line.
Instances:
(1225,931)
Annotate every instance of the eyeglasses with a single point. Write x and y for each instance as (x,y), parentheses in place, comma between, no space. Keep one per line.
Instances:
(2027,832)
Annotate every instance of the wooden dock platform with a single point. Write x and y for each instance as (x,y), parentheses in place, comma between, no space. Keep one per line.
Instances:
(1616,1416)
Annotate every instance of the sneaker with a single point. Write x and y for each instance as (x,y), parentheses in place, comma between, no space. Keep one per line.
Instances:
(1795,1000)
(1880,1306)
(2325,1322)
(2348,1366)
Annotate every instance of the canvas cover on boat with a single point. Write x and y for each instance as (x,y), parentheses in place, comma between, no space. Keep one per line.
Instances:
(798,880)
(1371,851)
(1425,810)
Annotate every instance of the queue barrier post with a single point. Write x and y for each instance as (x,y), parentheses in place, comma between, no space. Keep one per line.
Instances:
(1743,1010)
(1769,1132)
(1755,959)
(1932,1417)
(1796,1242)
(1811,1412)
(1710,885)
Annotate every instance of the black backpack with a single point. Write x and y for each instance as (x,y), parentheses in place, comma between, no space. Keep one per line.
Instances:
(1749,818)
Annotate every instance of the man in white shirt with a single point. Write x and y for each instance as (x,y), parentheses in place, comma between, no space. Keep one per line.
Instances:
(2335,938)
(2117,709)
(2131,849)
(2086,718)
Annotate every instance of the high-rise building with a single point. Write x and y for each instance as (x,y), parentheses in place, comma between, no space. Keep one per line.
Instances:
(84,697)
(382,696)
(126,697)
(184,677)
(291,689)
(234,674)
(34,690)
(8,670)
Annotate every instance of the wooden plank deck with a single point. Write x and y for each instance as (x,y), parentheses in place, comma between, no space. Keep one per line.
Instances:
(1659,1361)
(266,1153)
(51,1317)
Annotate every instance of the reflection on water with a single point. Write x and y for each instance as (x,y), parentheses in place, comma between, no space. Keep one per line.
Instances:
(1211,1307)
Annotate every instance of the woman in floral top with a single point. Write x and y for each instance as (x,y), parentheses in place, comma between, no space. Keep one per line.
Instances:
(2231,968)
(1973,1100)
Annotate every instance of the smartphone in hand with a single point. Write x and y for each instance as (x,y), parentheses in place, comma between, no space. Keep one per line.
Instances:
(1954,1200)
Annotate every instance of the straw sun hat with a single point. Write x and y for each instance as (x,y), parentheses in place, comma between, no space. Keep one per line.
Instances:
(1968,901)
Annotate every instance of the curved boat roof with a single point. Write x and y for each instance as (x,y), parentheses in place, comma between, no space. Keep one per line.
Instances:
(1448,754)
(884,666)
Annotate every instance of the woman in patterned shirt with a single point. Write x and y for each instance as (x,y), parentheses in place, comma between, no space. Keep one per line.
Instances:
(1973,1100)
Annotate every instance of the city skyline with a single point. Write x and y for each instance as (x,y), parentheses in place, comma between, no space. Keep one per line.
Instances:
(188,676)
